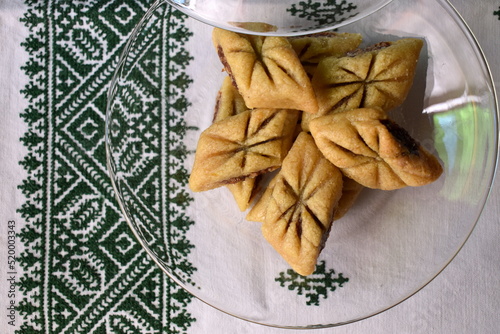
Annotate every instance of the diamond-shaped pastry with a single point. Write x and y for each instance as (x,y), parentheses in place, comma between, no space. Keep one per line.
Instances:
(229,102)
(350,192)
(311,49)
(377,77)
(301,207)
(258,212)
(245,145)
(265,70)
(244,192)
(373,150)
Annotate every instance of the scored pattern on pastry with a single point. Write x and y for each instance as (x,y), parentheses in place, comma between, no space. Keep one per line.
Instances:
(311,49)
(300,209)
(258,211)
(245,191)
(265,70)
(229,102)
(377,77)
(350,192)
(245,145)
(373,150)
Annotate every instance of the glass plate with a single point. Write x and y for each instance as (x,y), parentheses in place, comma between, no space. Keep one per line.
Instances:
(390,245)
(288,17)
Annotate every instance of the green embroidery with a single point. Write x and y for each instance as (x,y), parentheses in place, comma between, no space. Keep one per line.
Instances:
(497,13)
(313,286)
(84,270)
(324,13)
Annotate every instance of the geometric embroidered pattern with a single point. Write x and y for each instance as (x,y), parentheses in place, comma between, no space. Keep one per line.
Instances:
(84,271)
(146,132)
(313,286)
(324,13)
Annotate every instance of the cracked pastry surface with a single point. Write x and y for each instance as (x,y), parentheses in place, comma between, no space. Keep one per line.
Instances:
(245,145)
(373,150)
(301,206)
(265,70)
(379,76)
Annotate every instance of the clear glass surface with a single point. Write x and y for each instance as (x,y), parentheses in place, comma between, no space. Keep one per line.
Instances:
(287,17)
(389,246)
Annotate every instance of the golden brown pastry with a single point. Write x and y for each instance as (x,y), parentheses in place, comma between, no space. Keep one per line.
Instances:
(258,212)
(245,145)
(244,192)
(229,102)
(373,150)
(377,77)
(265,70)
(350,192)
(255,26)
(300,209)
(311,49)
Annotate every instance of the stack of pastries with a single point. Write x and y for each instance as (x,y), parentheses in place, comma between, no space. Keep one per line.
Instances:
(310,114)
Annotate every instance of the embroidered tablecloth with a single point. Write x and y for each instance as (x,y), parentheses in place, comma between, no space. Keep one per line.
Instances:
(69,263)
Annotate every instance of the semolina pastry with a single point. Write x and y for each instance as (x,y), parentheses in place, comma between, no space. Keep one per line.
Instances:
(308,114)
(255,26)
(377,77)
(228,102)
(258,212)
(245,145)
(300,209)
(265,70)
(350,192)
(311,49)
(373,150)
(244,192)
